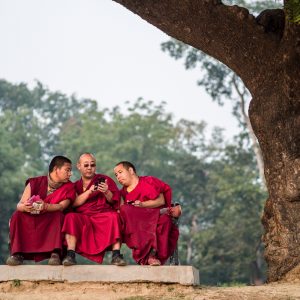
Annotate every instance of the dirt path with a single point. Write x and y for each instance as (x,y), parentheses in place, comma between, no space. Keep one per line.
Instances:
(142,291)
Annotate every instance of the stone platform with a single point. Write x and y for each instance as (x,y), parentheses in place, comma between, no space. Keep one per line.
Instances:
(185,275)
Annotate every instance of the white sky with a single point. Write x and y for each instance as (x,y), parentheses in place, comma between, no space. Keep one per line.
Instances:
(98,49)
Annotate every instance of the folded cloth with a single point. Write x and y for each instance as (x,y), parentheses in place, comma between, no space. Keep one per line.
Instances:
(34,198)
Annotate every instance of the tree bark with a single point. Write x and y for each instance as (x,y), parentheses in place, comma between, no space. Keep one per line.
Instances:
(265,53)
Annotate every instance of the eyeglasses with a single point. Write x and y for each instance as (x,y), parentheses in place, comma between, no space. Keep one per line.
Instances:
(92,165)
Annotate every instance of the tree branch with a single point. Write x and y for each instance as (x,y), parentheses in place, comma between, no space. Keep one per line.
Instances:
(255,145)
(228,33)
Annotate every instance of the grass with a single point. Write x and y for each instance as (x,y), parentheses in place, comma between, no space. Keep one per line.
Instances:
(16,283)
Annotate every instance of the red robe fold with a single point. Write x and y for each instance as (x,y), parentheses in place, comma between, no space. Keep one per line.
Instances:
(145,228)
(96,223)
(36,236)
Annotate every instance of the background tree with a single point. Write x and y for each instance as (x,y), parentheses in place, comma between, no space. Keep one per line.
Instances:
(230,232)
(11,159)
(142,134)
(264,52)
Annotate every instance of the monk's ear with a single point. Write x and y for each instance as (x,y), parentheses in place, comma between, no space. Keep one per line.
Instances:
(78,166)
(131,171)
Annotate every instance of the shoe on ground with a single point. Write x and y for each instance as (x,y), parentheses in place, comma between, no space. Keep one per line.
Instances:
(153,261)
(69,261)
(118,260)
(54,260)
(15,260)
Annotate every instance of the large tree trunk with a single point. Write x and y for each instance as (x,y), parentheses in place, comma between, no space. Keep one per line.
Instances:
(275,117)
(265,53)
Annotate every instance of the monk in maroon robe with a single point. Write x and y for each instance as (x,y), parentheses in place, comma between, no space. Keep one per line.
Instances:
(94,226)
(151,235)
(35,228)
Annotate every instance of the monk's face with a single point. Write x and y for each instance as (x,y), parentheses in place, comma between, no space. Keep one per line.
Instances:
(123,175)
(87,166)
(63,173)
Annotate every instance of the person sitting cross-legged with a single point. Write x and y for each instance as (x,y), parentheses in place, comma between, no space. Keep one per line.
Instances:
(150,234)
(94,226)
(35,227)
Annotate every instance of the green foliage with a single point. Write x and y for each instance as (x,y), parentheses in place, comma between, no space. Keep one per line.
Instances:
(228,242)
(113,136)
(16,283)
(222,205)
(11,160)
(293,10)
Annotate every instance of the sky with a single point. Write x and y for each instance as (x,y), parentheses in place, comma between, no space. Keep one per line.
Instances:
(100,50)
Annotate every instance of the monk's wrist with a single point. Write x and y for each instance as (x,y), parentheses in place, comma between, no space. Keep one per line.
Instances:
(46,206)
(108,195)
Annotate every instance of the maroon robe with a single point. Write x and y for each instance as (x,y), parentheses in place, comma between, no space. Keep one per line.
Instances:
(145,228)
(36,236)
(96,223)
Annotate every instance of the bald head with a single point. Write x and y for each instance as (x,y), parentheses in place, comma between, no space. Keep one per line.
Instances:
(86,155)
(87,165)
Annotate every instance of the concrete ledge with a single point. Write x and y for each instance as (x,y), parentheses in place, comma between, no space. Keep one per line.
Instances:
(186,275)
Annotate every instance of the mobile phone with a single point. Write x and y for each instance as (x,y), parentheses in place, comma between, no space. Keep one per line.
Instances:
(101,179)
(98,181)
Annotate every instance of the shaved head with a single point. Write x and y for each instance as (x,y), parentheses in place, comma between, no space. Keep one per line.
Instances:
(84,155)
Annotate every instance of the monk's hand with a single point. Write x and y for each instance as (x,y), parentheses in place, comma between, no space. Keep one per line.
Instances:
(93,188)
(27,207)
(103,187)
(39,206)
(138,203)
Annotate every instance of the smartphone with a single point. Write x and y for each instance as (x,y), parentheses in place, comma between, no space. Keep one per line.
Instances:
(98,181)
(101,179)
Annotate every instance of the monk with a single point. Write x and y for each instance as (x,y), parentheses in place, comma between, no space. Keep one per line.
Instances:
(94,226)
(35,227)
(151,236)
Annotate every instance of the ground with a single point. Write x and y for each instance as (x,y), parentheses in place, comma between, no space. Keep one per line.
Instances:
(24,290)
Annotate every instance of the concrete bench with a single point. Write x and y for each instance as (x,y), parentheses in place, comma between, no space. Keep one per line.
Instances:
(185,275)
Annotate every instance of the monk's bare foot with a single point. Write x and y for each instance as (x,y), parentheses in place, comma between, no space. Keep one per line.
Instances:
(153,261)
